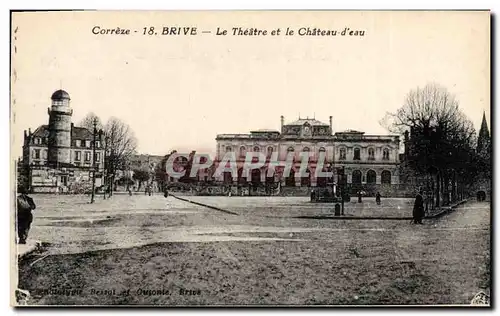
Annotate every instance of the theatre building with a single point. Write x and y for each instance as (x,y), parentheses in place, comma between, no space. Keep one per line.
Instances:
(370,161)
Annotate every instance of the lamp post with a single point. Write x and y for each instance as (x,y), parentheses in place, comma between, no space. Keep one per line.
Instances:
(95,133)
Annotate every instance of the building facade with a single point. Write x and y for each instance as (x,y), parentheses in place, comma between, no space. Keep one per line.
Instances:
(370,162)
(59,156)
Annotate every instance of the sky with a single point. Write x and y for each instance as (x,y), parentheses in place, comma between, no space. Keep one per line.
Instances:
(179,92)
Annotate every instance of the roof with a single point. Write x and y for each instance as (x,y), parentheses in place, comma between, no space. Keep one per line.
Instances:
(312,122)
(60,95)
(265,130)
(350,131)
(76,132)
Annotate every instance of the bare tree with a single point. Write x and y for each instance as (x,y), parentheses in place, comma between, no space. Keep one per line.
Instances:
(88,122)
(120,145)
(442,139)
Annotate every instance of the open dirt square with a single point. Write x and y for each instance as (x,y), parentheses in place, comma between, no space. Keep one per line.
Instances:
(154,250)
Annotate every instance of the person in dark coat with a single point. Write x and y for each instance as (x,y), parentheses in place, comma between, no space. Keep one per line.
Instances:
(360,195)
(25,205)
(377,198)
(418,208)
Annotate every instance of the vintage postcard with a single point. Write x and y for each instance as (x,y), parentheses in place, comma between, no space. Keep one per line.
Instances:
(250,158)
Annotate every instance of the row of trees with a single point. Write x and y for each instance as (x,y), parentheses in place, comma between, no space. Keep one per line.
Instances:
(440,142)
(119,143)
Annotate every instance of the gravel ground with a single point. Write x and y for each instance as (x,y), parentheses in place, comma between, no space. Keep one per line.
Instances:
(148,250)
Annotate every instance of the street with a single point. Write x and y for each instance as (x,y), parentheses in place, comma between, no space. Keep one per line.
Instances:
(154,250)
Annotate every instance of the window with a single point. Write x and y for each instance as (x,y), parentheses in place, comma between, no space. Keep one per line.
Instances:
(36,154)
(38,140)
(78,143)
(322,149)
(356,177)
(291,149)
(371,177)
(386,177)
(306,149)
(385,154)
(97,144)
(342,154)
(256,149)
(78,155)
(87,156)
(371,154)
(242,151)
(97,157)
(45,153)
(270,150)
(87,143)
(228,149)
(357,154)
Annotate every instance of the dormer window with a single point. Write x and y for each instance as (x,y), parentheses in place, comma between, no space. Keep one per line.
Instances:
(87,143)
(38,140)
(78,143)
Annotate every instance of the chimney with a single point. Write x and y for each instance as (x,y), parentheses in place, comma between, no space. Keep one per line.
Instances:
(282,122)
(29,131)
(331,125)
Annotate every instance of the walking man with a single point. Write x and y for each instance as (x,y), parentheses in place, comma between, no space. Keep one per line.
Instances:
(377,198)
(25,205)
(418,208)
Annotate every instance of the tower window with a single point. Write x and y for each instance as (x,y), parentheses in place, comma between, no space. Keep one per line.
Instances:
(38,140)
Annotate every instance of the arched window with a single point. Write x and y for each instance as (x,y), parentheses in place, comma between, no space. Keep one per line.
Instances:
(386,177)
(322,149)
(242,178)
(290,149)
(242,151)
(342,154)
(270,150)
(228,149)
(371,154)
(371,177)
(256,177)
(356,177)
(385,155)
(306,149)
(290,179)
(228,179)
(256,149)
(357,154)
(305,181)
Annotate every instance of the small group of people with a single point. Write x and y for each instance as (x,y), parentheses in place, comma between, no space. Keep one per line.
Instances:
(378,197)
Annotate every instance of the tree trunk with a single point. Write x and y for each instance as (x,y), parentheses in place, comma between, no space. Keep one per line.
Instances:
(438,187)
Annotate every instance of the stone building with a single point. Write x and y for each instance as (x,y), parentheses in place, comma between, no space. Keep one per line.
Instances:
(58,157)
(370,161)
